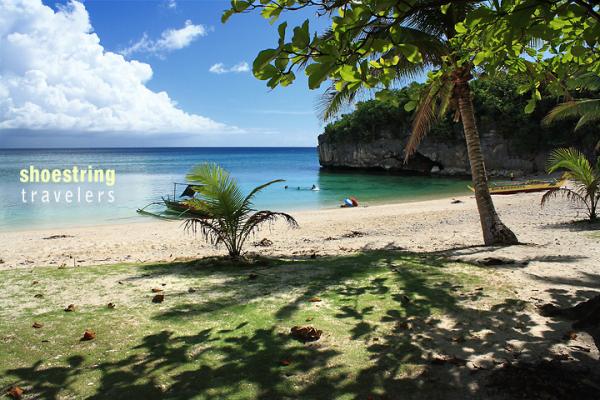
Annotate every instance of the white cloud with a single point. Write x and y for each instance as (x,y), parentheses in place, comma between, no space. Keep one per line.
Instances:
(171,39)
(220,68)
(55,75)
(171,4)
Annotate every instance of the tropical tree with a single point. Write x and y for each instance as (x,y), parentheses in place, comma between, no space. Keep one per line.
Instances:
(371,44)
(545,42)
(584,176)
(232,219)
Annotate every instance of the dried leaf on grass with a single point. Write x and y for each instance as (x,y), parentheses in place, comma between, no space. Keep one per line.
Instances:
(159,298)
(70,308)
(88,335)
(305,333)
(15,392)
(37,325)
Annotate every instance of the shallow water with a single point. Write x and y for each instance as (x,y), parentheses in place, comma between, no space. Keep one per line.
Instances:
(144,175)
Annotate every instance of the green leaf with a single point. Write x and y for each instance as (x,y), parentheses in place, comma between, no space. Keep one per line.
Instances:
(287,79)
(411,105)
(348,73)
(524,88)
(239,6)
(530,107)
(411,52)
(444,8)
(460,28)
(301,38)
(264,58)
(226,15)
(479,57)
(281,29)
(282,61)
(271,12)
(267,72)
(317,73)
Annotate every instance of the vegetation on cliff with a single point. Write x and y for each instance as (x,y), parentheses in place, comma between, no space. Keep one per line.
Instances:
(498,106)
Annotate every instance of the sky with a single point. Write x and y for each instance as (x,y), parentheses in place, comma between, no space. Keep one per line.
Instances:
(108,73)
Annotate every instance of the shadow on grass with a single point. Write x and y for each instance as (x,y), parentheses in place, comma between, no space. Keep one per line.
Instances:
(412,324)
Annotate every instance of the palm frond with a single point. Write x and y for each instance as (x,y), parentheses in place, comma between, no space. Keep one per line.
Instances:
(253,192)
(564,192)
(332,102)
(218,190)
(253,223)
(432,107)
(209,229)
(577,166)
(587,110)
(586,81)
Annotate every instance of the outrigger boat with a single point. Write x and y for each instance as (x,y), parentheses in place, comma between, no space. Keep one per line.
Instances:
(524,187)
(184,206)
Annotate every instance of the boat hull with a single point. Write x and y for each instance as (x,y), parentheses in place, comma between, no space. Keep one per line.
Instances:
(523,188)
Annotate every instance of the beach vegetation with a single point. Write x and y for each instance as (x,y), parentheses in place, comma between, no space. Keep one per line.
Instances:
(231,217)
(584,176)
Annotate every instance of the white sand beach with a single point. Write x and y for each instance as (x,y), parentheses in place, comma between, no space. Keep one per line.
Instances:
(559,254)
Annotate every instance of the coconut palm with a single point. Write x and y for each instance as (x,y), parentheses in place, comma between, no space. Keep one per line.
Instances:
(232,219)
(585,178)
(586,110)
(443,92)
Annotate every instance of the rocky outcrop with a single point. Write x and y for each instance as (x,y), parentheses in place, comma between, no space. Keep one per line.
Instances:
(448,157)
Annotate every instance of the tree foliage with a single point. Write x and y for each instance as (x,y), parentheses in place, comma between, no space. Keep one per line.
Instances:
(545,42)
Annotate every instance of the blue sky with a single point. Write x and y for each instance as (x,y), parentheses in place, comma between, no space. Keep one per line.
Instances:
(239,109)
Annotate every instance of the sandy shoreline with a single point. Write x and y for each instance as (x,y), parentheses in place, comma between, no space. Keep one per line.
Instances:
(422,226)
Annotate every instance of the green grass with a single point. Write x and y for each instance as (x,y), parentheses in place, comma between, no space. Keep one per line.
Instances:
(228,338)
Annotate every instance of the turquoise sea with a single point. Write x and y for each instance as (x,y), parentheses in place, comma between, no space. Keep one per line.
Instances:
(144,175)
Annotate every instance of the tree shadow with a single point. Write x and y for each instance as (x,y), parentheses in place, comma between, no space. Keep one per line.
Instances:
(433,338)
(574,226)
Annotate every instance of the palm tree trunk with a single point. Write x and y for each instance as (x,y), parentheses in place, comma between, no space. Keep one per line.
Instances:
(494,231)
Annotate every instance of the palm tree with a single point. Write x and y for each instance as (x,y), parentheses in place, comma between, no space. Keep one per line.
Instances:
(436,28)
(232,219)
(587,110)
(585,177)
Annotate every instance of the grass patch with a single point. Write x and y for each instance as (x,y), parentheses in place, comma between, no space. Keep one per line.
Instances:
(381,313)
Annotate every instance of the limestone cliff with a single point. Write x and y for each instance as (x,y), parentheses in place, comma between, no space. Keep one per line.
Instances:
(448,157)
